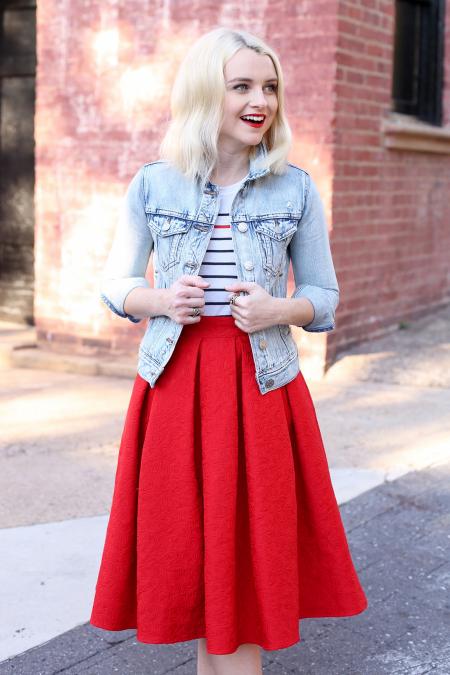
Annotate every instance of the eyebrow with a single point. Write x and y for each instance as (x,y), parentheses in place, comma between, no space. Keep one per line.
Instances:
(249,79)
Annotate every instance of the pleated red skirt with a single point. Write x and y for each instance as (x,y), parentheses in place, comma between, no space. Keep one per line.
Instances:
(224,523)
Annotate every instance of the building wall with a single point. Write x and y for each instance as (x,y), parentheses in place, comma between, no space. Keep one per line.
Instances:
(391,216)
(103,87)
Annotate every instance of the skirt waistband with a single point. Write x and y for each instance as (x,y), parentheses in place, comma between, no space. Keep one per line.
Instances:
(214,326)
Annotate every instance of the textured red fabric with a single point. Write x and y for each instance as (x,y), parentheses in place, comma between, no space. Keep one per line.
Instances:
(224,523)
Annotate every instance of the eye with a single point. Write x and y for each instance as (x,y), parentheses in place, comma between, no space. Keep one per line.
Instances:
(273,87)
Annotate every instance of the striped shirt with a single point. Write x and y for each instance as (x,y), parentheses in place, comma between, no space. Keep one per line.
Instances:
(219,264)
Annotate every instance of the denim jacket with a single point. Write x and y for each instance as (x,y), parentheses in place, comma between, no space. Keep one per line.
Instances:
(274,219)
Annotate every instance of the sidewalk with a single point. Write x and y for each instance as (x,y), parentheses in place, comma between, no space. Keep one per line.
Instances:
(399,537)
(383,408)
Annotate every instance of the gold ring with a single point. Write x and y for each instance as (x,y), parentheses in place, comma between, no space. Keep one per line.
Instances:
(233,298)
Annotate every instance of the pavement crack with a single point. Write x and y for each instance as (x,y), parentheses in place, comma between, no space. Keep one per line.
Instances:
(88,657)
(284,665)
(438,567)
(173,668)
(363,523)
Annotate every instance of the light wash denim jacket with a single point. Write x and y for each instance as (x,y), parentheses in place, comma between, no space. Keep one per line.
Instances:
(274,220)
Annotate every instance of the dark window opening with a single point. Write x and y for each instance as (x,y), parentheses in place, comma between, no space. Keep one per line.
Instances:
(418,59)
(17,106)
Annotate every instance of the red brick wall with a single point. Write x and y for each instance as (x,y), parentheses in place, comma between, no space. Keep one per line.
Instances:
(102,90)
(308,55)
(103,86)
(391,233)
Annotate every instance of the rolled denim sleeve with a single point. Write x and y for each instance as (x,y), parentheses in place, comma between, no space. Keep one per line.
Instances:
(312,264)
(132,245)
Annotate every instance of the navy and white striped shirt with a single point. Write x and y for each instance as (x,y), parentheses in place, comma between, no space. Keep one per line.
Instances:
(219,264)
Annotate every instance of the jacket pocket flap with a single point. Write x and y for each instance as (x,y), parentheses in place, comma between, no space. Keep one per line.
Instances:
(166,225)
(277,228)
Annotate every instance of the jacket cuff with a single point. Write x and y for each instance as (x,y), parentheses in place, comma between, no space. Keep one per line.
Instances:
(114,292)
(323,307)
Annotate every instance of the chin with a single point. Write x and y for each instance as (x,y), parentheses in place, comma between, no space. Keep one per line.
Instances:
(255,140)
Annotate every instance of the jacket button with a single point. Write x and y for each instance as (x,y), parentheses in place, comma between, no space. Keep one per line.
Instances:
(166,225)
(242,227)
(269,383)
(248,265)
(262,344)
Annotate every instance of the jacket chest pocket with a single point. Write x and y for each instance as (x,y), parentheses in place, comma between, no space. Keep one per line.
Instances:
(169,235)
(273,237)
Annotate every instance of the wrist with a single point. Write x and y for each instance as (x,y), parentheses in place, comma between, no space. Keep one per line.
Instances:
(293,311)
(161,305)
(280,311)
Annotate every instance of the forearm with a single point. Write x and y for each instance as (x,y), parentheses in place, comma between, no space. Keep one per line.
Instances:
(146,302)
(293,311)
(312,263)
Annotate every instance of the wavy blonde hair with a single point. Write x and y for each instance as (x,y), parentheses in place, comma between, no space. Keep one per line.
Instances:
(197,100)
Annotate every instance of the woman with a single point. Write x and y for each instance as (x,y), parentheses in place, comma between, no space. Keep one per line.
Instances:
(224,526)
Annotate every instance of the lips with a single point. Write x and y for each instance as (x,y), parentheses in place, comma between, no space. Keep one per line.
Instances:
(253,123)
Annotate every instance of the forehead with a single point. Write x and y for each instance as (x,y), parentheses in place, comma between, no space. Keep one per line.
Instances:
(246,63)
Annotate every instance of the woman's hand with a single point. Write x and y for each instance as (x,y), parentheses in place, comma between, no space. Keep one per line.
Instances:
(182,296)
(254,311)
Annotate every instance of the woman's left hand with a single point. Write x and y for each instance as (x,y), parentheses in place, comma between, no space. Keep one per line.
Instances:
(254,311)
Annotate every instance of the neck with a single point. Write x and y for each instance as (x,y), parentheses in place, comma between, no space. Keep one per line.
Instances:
(231,166)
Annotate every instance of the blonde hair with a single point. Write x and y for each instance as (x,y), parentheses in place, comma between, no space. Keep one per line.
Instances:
(197,98)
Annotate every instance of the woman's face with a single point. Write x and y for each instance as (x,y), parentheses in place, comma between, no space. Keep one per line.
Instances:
(251,89)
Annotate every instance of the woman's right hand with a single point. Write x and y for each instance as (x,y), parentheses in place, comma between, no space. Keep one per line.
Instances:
(184,294)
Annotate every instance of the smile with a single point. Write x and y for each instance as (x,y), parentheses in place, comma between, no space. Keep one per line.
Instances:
(254,120)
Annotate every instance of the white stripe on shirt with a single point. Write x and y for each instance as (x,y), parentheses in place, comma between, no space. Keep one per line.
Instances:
(219,264)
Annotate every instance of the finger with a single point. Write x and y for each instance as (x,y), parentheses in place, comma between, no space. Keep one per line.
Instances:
(240,286)
(192,292)
(194,280)
(193,302)
(238,302)
(189,291)
(236,312)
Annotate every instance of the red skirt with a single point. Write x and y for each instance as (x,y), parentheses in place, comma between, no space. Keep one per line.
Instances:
(224,523)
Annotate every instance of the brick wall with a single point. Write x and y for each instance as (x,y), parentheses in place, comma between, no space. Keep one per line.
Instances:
(307,54)
(391,233)
(103,86)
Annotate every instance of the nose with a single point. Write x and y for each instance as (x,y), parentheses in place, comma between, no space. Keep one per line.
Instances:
(259,97)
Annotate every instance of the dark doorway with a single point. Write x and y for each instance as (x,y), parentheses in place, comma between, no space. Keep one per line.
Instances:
(17,103)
